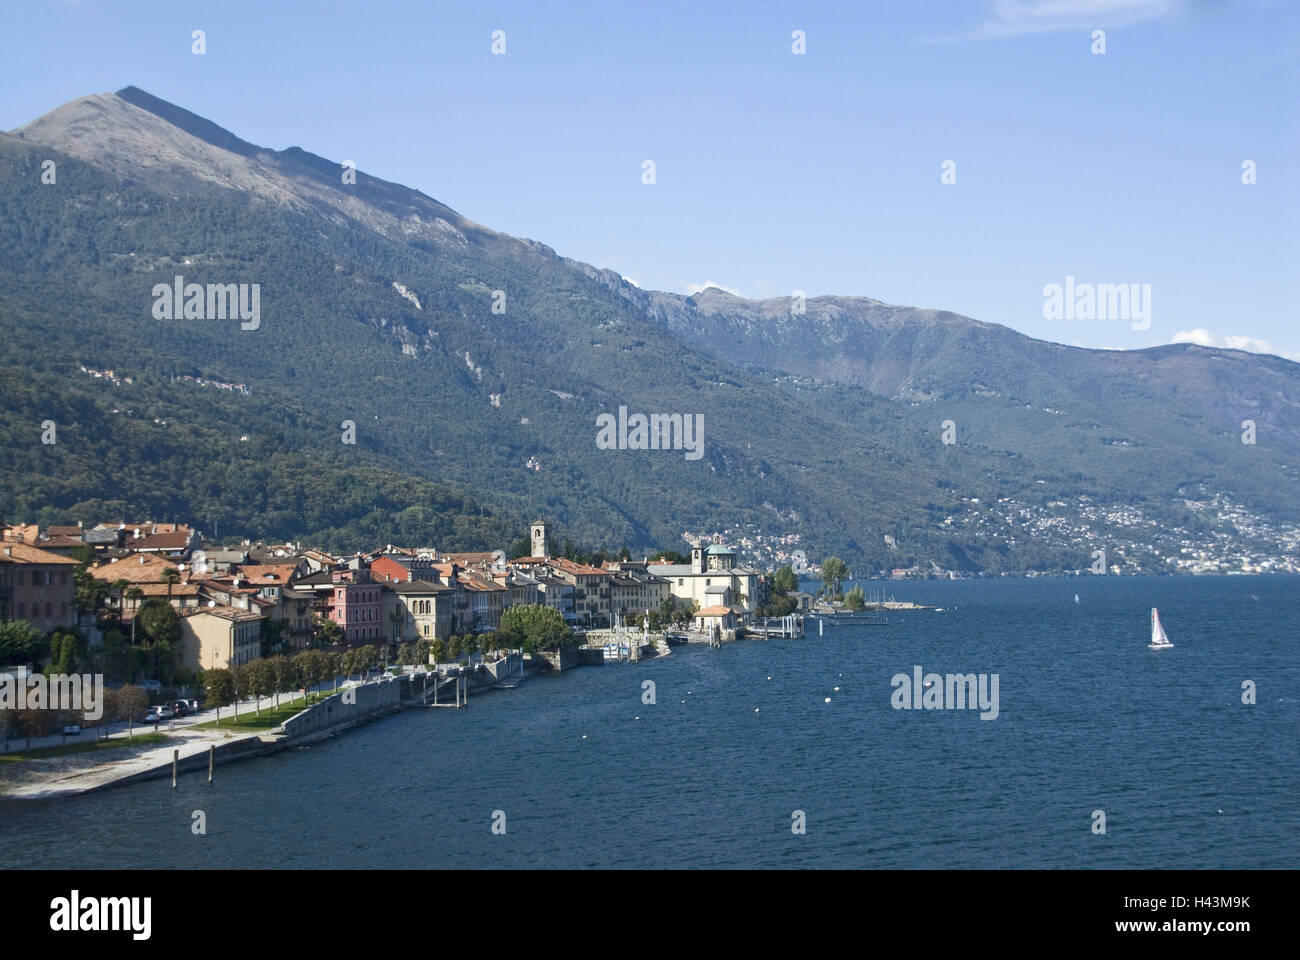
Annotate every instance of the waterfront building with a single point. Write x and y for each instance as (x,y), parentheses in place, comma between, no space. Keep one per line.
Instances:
(217,637)
(712,578)
(37,586)
(417,610)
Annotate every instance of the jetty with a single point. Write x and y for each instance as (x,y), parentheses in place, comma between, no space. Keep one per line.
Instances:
(788,626)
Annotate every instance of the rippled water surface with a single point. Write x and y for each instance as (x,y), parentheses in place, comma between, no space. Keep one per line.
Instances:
(588,775)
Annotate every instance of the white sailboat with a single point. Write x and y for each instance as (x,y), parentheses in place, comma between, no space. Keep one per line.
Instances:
(1159,639)
(1076,598)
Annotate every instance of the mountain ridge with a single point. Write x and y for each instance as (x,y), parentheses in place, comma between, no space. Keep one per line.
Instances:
(825,425)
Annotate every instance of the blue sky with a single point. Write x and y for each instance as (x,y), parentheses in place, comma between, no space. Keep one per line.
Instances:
(774,171)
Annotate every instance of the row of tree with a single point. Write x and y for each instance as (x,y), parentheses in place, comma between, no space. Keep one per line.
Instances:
(126,703)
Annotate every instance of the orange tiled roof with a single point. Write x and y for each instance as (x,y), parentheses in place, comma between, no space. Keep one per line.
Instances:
(26,553)
(135,569)
(718,611)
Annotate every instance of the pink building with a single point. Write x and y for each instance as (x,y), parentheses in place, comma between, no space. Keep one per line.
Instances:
(355,606)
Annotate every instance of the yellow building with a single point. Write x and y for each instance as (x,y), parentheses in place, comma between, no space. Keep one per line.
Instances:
(218,637)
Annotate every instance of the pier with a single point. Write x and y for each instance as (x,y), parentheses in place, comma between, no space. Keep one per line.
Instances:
(789,626)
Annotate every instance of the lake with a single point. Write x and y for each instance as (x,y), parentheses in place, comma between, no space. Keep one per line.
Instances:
(586,774)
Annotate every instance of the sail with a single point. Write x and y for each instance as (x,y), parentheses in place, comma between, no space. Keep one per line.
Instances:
(1158,635)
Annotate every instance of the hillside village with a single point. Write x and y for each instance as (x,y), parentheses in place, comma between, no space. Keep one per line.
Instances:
(235,605)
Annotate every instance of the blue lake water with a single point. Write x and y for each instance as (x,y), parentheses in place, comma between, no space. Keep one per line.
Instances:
(1089,719)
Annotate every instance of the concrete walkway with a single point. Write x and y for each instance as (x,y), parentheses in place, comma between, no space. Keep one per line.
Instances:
(66,776)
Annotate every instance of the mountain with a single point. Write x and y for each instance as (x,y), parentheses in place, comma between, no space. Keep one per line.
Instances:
(473,367)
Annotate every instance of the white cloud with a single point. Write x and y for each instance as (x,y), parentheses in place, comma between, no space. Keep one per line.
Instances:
(693,288)
(1205,338)
(1013,18)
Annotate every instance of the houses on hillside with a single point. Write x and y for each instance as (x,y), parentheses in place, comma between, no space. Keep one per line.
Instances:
(236,603)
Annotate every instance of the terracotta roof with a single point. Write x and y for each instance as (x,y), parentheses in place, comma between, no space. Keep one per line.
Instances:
(479,584)
(568,566)
(24,532)
(223,611)
(183,589)
(261,574)
(480,557)
(172,540)
(63,530)
(25,553)
(135,569)
(417,586)
(718,611)
(62,540)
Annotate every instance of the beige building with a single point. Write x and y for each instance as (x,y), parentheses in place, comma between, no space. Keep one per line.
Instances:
(37,586)
(417,610)
(218,637)
(711,579)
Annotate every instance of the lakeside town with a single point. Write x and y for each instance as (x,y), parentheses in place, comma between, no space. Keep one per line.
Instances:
(157,615)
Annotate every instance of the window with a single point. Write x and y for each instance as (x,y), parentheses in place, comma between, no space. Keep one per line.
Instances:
(22,611)
(49,609)
(426,629)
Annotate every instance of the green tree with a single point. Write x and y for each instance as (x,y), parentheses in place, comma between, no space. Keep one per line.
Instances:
(170,576)
(260,677)
(437,649)
(333,666)
(328,632)
(534,626)
(855,599)
(274,633)
(218,689)
(90,592)
(286,678)
(833,571)
(784,581)
(134,593)
(21,643)
(131,703)
(406,653)
(303,668)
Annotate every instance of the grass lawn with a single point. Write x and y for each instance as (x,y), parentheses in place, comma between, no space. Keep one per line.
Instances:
(270,717)
(141,739)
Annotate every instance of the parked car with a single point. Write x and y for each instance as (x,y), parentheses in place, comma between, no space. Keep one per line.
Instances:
(181,708)
(72,730)
(158,714)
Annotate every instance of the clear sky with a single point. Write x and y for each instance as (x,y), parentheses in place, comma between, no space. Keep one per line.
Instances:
(775,171)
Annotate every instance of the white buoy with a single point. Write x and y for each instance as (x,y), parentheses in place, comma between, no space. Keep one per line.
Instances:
(756,709)
(769,678)
(837,689)
(828,699)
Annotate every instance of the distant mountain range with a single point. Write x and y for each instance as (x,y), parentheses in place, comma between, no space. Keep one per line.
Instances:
(473,366)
